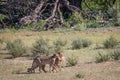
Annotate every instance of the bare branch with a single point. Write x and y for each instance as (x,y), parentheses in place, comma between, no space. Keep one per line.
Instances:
(54,10)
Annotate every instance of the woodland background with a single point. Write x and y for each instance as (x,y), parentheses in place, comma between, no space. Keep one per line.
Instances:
(50,14)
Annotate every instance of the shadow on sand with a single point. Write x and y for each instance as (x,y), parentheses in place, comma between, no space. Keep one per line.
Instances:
(26,73)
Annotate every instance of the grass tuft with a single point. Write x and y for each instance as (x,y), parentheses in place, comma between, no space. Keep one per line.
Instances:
(79,75)
(72,61)
(102,58)
(115,55)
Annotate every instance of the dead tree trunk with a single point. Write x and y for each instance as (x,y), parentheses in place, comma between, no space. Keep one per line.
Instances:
(52,11)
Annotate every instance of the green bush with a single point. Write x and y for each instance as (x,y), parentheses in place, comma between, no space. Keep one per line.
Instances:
(80,43)
(116,23)
(102,58)
(75,22)
(16,48)
(75,17)
(79,27)
(72,61)
(86,43)
(41,47)
(110,43)
(77,44)
(37,26)
(92,25)
(110,15)
(115,55)
(79,75)
(59,44)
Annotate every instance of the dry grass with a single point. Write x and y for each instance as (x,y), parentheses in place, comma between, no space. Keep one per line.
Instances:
(15,69)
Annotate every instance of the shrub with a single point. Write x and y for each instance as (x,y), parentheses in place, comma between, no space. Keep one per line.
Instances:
(102,58)
(110,15)
(98,46)
(16,48)
(75,22)
(115,55)
(41,47)
(80,43)
(77,44)
(72,61)
(59,44)
(79,75)
(38,26)
(92,25)
(75,17)
(79,27)
(86,43)
(110,43)
(116,23)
